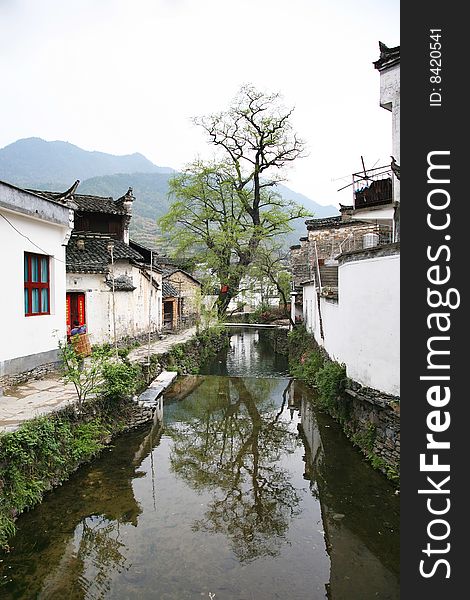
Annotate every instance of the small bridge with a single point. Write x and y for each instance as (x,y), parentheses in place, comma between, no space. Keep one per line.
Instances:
(257,325)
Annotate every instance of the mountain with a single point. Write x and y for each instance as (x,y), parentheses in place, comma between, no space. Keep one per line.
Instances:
(152,202)
(37,164)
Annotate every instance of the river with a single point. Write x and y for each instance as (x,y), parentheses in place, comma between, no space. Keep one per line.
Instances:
(244,493)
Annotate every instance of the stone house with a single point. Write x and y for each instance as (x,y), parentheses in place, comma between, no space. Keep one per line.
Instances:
(183,292)
(33,232)
(326,239)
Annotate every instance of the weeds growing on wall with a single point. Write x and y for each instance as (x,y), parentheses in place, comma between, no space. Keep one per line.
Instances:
(307,362)
(43,452)
(329,378)
(187,358)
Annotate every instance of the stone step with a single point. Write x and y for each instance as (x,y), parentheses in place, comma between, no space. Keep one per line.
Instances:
(329,275)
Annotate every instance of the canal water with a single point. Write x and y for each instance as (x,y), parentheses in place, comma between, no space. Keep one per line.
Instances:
(245,493)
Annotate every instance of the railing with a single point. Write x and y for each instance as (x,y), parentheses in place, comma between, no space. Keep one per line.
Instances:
(373,187)
(380,235)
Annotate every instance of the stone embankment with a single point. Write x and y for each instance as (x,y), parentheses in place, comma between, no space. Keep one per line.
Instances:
(51,438)
(374,426)
(149,404)
(369,417)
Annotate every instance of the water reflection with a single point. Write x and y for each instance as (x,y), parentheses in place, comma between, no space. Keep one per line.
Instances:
(70,545)
(250,354)
(229,440)
(359,510)
(246,493)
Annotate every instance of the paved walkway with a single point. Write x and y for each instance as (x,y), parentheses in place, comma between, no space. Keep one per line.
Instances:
(38,397)
(161,346)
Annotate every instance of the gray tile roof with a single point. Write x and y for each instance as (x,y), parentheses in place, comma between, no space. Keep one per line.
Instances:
(86,202)
(325,222)
(388,57)
(123,283)
(95,256)
(168,290)
(331,222)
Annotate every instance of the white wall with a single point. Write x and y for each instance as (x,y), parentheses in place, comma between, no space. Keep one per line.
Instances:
(22,336)
(362,329)
(132,308)
(390,99)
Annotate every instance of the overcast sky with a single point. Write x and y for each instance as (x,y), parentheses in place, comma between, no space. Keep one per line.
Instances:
(124,76)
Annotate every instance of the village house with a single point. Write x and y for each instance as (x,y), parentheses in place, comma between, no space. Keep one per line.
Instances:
(327,238)
(255,292)
(182,294)
(111,287)
(351,265)
(34,232)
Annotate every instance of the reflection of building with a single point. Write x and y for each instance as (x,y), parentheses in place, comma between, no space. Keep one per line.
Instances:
(255,292)
(33,231)
(361,531)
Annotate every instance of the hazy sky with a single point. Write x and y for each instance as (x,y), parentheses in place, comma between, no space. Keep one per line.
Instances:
(126,76)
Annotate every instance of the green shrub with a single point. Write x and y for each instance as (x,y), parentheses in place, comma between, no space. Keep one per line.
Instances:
(45,451)
(330,381)
(300,342)
(308,366)
(120,380)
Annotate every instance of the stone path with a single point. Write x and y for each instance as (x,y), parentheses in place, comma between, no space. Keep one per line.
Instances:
(38,397)
(161,346)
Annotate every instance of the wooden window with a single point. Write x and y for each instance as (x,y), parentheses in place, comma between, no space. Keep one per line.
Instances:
(36,284)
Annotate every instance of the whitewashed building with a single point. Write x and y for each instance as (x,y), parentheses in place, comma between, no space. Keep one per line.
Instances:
(111,287)
(135,305)
(356,319)
(33,232)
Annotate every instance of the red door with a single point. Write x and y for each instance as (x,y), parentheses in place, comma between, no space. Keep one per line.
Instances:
(75,310)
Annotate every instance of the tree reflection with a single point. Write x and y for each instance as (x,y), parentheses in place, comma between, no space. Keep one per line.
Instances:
(72,539)
(229,441)
(101,547)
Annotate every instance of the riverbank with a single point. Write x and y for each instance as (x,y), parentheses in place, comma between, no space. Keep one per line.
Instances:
(253,489)
(368,417)
(43,452)
(37,397)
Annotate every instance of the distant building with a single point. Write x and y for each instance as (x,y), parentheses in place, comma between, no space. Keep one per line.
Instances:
(181,294)
(33,233)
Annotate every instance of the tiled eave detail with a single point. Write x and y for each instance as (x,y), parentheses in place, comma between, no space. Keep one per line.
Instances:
(332,223)
(365,253)
(388,57)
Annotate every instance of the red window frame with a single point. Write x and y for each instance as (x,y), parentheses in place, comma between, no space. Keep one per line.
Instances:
(30,285)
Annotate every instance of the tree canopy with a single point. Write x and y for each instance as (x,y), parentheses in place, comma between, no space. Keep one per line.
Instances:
(225,208)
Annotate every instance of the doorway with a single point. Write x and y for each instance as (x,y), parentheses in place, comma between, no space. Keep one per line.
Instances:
(75,310)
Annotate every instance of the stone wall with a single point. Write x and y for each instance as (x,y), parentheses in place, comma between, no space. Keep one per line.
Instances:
(329,239)
(36,373)
(374,425)
(300,263)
